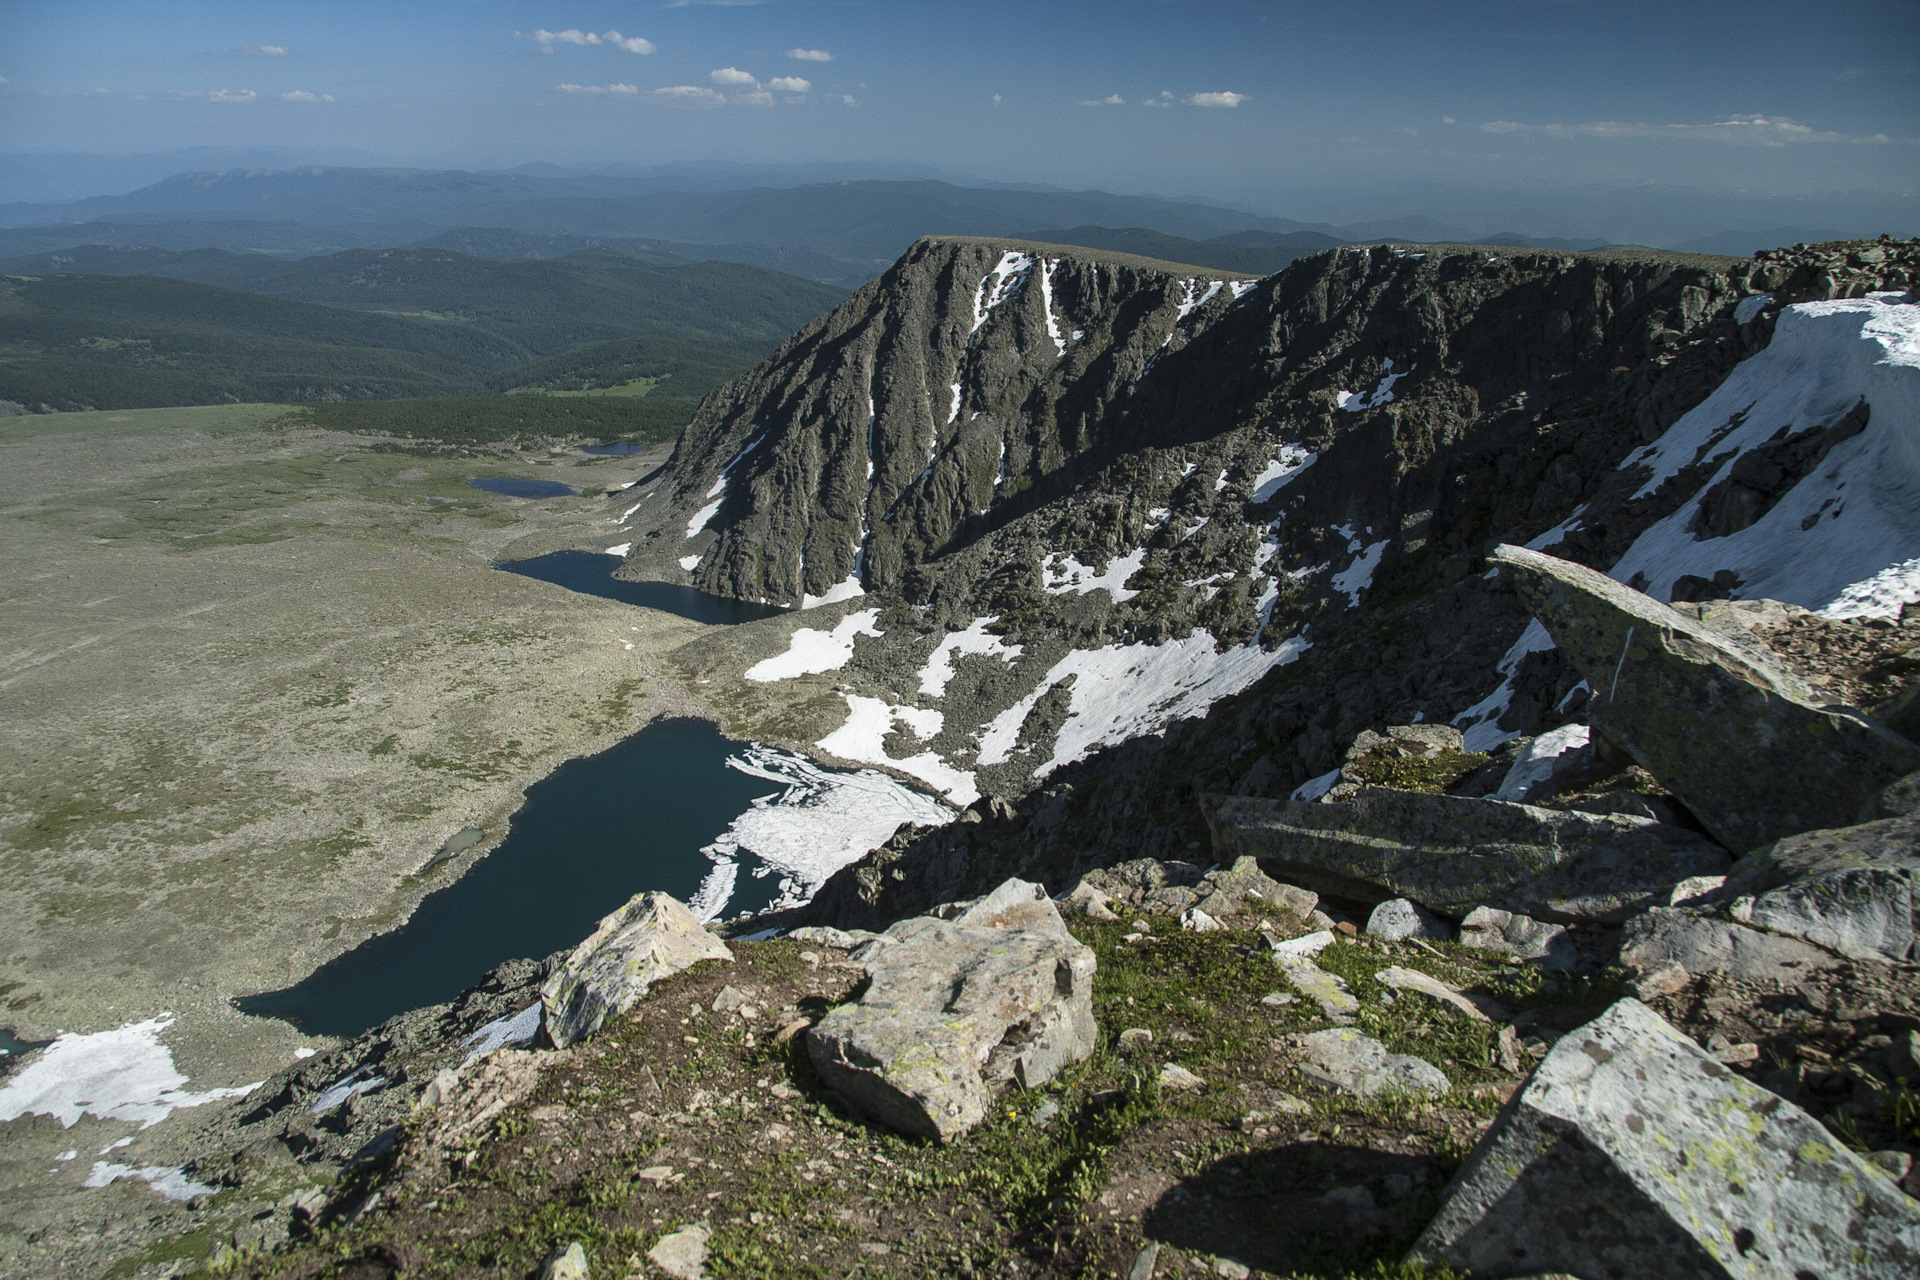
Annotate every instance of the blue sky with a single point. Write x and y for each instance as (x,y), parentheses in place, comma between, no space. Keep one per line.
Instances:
(1230,98)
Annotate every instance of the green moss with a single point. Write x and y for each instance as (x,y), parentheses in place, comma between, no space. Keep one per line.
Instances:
(1418,773)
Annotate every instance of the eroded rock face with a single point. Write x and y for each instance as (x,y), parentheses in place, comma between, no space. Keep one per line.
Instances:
(956,1008)
(1452,853)
(1752,749)
(1632,1153)
(650,938)
(1850,889)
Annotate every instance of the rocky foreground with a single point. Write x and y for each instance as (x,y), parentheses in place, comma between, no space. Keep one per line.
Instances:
(1456,1016)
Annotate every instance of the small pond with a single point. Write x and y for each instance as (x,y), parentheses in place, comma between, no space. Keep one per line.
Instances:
(592,834)
(591,573)
(12,1047)
(514,487)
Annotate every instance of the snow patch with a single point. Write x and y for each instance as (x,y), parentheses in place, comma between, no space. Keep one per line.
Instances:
(1559,532)
(620,549)
(1063,574)
(1481,721)
(1314,788)
(1750,306)
(1538,761)
(954,412)
(1277,474)
(700,517)
(998,285)
(1357,576)
(1125,691)
(1241,288)
(174,1184)
(1356,401)
(516,1028)
(358,1081)
(863,739)
(820,821)
(935,676)
(1046,298)
(847,590)
(810,652)
(122,1074)
(1843,539)
(690,563)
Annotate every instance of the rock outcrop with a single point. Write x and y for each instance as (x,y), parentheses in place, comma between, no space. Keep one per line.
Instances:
(1750,747)
(1452,853)
(652,936)
(956,1008)
(1850,889)
(1632,1153)
(1358,1064)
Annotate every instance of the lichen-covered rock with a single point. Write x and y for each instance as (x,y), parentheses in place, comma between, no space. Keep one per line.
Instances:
(1328,990)
(1850,889)
(1346,1060)
(1397,919)
(651,937)
(1517,934)
(1750,747)
(1633,1153)
(955,1008)
(1699,943)
(1452,853)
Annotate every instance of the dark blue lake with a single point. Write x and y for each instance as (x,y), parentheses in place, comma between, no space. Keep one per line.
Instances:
(591,835)
(514,487)
(591,573)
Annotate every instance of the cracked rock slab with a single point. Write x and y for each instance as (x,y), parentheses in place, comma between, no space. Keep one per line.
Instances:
(1453,853)
(1632,1153)
(1706,944)
(956,1008)
(1751,749)
(652,937)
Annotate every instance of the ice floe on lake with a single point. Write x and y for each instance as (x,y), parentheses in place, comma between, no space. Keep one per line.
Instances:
(818,822)
(122,1074)
(811,652)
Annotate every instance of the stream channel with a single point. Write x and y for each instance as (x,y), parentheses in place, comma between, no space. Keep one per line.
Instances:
(592,834)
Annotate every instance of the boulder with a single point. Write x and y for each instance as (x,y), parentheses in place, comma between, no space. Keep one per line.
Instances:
(1631,1153)
(1452,853)
(1477,1007)
(1358,1064)
(1491,929)
(1244,886)
(955,1008)
(569,1263)
(1747,745)
(1328,990)
(682,1254)
(1842,888)
(652,937)
(1397,919)
(1706,944)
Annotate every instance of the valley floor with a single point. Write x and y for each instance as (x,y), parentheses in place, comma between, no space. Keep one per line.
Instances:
(251,678)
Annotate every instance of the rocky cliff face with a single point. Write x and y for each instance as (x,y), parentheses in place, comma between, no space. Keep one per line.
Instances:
(1117,536)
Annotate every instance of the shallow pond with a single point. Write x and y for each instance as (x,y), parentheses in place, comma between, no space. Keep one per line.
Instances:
(591,573)
(592,834)
(514,487)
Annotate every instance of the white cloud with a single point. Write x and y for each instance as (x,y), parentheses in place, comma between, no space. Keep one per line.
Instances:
(810,55)
(1225,99)
(5,81)
(848,99)
(790,84)
(297,95)
(732,76)
(758,98)
(258,51)
(616,89)
(1745,130)
(1448,120)
(97,93)
(573,35)
(693,95)
(211,95)
(1111,100)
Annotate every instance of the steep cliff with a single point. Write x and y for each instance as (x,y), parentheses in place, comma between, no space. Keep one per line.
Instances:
(1129,536)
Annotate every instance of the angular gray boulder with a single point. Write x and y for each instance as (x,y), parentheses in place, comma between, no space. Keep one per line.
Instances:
(956,1008)
(1453,853)
(1346,1060)
(1491,929)
(1701,943)
(651,937)
(1850,889)
(1750,747)
(1633,1153)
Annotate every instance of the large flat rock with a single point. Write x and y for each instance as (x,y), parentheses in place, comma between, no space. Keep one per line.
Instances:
(1751,749)
(651,937)
(956,1008)
(1849,889)
(1632,1153)
(1454,853)
(1706,944)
